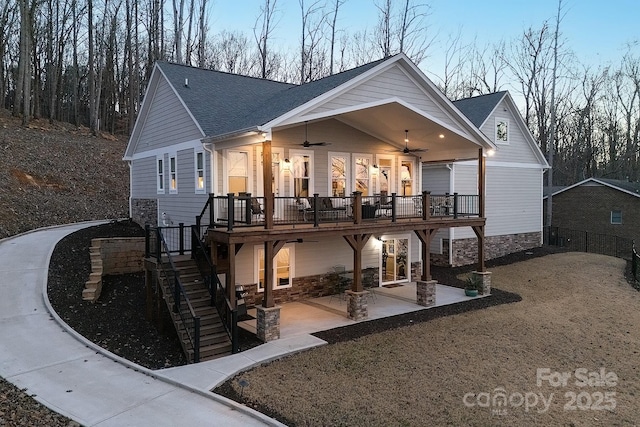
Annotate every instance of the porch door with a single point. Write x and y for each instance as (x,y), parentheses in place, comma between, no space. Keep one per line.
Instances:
(395,260)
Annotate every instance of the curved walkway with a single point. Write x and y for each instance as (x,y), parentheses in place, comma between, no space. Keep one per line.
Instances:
(70,375)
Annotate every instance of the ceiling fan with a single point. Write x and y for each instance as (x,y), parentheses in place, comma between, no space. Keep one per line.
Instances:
(307,144)
(406,149)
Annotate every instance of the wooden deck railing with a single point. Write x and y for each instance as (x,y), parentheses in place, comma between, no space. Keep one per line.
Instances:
(245,210)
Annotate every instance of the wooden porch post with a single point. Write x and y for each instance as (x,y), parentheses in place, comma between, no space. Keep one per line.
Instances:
(479,230)
(267,178)
(267,297)
(271,249)
(357,243)
(425,239)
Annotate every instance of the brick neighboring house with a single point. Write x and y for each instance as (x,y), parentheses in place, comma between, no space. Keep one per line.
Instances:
(599,205)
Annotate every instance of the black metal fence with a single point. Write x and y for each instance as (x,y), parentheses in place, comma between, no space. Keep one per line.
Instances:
(586,241)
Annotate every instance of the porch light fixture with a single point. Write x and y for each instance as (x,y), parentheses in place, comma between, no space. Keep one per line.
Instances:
(491,152)
(441,136)
(287,165)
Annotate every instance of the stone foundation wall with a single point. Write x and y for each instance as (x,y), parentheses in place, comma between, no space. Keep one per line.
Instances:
(465,251)
(144,212)
(116,255)
(307,287)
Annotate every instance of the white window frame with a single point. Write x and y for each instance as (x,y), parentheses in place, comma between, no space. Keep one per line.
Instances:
(160,173)
(258,253)
(276,156)
(393,185)
(292,155)
(414,178)
(173,173)
(618,216)
(504,120)
(347,172)
(354,168)
(198,178)
(225,168)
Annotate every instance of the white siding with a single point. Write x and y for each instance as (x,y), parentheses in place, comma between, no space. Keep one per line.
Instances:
(465,179)
(183,206)
(393,83)
(518,149)
(514,201)
(167,122)
(436,179)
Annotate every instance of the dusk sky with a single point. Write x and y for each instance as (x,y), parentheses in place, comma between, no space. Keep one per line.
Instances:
(596,31)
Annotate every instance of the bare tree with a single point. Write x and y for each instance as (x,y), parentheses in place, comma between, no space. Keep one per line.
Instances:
(202,40)
(178,29)
(23,86)
(383,29)
(262,31)
(309,41)
(7,20)
(332,22)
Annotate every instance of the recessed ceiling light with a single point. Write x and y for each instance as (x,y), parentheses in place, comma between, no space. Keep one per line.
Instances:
(441,136)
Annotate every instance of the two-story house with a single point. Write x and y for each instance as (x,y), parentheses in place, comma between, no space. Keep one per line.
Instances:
(370,170)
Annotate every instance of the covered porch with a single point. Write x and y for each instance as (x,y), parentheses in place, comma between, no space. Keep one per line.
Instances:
(328,312)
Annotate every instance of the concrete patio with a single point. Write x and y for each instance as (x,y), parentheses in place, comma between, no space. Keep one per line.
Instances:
(319,314)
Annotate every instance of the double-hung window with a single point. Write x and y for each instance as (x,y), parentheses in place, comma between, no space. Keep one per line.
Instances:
(339,172)
(238,171)
(302,173)
(173,174)
(200,186)
(362,173)
(160,174)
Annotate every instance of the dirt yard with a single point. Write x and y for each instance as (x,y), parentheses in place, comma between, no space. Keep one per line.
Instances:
(566,355)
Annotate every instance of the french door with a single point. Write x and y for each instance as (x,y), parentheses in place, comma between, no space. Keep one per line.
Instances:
(395,261)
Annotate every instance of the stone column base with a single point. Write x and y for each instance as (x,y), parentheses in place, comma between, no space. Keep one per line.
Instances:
(486,281)
(268,323)
(357,308)
(426,292)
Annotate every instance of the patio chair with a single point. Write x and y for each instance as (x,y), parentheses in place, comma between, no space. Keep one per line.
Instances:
(368,283)
(256,210)
(341,284)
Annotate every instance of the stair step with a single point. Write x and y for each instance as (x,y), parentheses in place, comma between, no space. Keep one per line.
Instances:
(212,351)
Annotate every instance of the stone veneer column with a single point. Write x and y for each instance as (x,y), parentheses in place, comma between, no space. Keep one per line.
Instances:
(268,323)
(357,305)
(486,281)
(426,292)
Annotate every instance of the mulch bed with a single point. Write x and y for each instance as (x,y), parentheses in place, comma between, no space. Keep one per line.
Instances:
(117,323)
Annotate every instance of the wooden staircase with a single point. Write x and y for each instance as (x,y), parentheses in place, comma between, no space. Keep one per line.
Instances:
(214,341)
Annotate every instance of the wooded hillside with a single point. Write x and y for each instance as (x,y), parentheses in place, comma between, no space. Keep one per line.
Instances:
(58,173)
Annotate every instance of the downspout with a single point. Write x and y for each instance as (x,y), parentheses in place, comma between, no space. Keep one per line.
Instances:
(131,188)
(451,230)
(208,147)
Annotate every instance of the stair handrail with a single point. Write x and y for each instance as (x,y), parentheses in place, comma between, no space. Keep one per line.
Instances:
(209,205)
(180,294)
(227,314)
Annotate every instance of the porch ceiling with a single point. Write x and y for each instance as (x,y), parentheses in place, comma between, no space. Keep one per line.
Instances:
(388,122)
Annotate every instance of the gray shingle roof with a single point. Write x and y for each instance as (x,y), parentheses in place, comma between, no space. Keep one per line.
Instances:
(632,187)
(223,103)
(478,108)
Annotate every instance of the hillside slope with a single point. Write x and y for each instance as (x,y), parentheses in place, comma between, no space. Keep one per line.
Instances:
(58,174)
